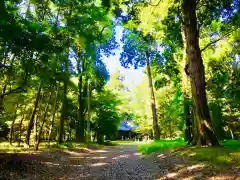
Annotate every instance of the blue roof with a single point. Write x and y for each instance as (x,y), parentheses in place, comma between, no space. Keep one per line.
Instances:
(126,126)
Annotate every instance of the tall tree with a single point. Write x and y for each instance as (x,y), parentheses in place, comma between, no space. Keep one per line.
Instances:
(136,52)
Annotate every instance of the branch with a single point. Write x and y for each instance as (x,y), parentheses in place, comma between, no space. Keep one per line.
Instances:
(154,4)
(211,43)
(11,91)
(101,33)
(216,40)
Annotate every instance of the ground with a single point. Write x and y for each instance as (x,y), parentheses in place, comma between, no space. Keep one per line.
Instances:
(120,162)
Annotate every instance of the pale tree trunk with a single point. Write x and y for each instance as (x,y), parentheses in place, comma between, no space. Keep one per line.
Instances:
(195,69)
(152,99)
(186,89)
(31,122)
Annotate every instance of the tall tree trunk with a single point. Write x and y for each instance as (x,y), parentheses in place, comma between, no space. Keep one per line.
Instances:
(20,131)
(64,102)
(43,121)
(31,122)
(53,114)
(80,134)
(20,126)
(66,78)
(89,115)
(2,97)
(185,86)
(12,126)
(63,113)
(35,127)
(153,103)
(195,69)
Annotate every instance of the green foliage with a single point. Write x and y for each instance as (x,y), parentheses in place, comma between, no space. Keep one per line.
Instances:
(107,118)
(170,111)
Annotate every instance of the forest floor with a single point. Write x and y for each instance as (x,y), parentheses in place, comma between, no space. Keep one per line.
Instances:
(121,162)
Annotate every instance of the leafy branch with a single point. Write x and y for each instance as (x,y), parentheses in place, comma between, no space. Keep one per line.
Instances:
(216,40)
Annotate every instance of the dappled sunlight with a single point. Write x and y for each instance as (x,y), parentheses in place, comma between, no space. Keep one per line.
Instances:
(122,156)
(75,165)
(74,153)
(222,178)
(137,154)
(100,157)
(161,156)
(51,164)
(98,164)
(101,151)
(171,175)
(192,154)
(196,166)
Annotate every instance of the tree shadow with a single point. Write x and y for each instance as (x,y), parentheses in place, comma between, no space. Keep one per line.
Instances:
(199,163)
(51,164)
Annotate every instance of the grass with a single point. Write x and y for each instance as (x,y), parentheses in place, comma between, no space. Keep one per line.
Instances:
(160,145)
(123,142)
(227,154)
(5,147)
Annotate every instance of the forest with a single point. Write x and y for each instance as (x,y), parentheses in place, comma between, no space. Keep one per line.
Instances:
(56,88)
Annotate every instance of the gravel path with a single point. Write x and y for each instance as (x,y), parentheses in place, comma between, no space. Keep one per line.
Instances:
(111,163)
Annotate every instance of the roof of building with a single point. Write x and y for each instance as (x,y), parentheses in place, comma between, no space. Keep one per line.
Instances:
(127,125)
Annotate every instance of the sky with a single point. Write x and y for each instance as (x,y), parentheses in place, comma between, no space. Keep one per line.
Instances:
(133,77)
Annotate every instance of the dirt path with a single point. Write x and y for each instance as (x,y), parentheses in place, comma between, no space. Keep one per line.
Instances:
(112,163)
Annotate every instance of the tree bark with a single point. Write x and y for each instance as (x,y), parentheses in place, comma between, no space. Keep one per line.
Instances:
(64,102)
(43,122)
(152,99)
(185,86)
(53,115)
(20,126)
(80,134)
(35,129)
(12,126)
(205,133)
(31,122)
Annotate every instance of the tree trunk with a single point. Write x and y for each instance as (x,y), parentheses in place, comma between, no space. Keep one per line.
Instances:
(80,134)
(53,114)
(195,69)
(12,126)
(20,126)
(2,97)
(64,102)
(35,129)
(43,122)
(20,131)
(153,103)
(185,86)
(187,118)
(89,116)
(31,122)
